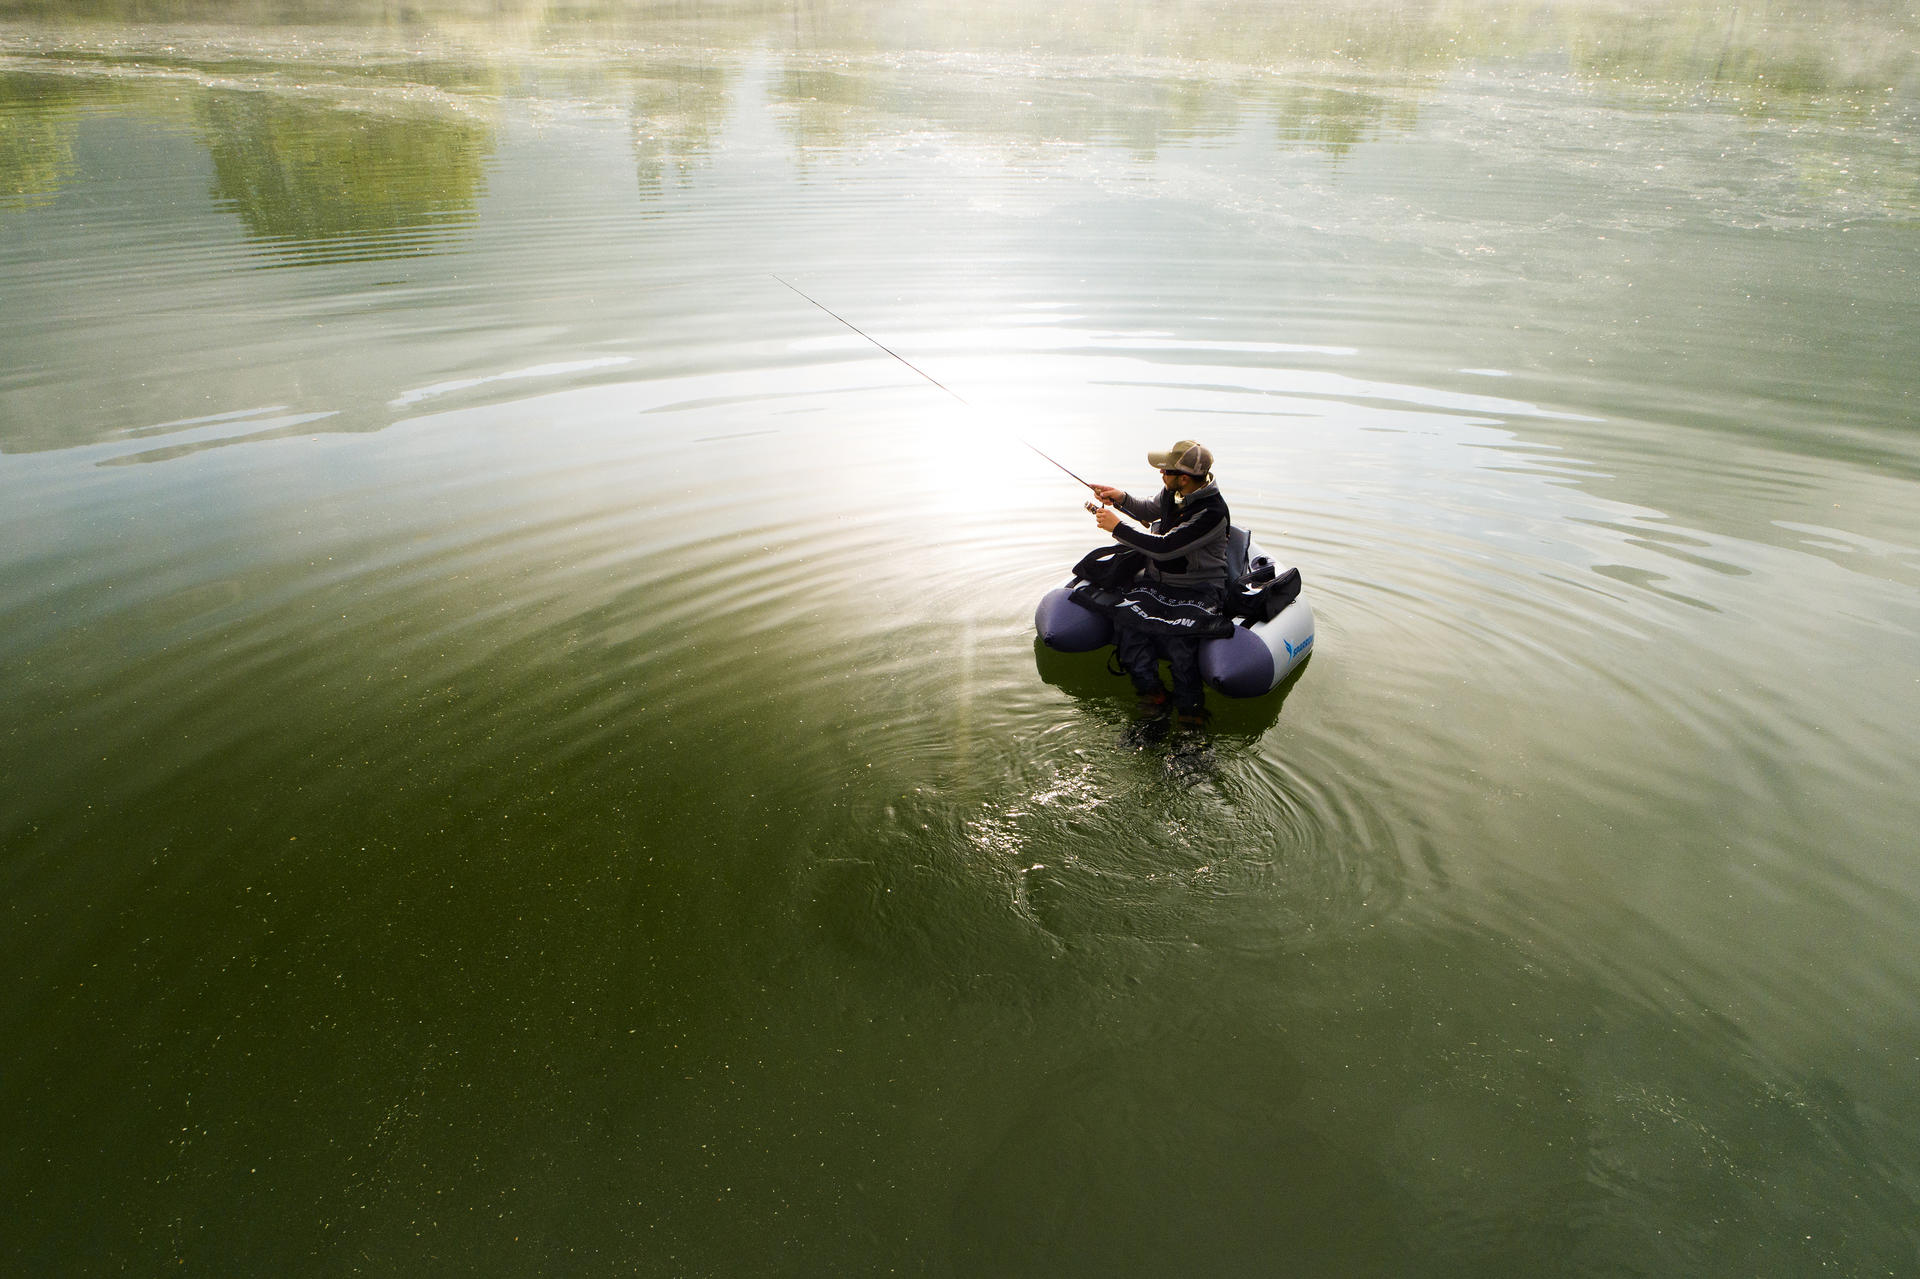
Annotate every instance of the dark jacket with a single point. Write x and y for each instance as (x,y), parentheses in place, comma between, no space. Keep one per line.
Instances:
(1186,543)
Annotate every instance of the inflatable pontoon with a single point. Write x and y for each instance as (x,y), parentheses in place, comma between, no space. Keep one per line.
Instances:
(1272,623)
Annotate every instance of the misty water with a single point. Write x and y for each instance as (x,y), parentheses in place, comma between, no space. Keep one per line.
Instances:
(522,745)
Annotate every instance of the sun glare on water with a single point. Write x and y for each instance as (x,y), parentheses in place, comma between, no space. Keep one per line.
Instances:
(971,446)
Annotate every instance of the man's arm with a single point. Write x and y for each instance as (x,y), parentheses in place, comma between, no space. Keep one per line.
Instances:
(1208,524)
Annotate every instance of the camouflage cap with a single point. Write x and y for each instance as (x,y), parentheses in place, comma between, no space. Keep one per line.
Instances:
(1186,456)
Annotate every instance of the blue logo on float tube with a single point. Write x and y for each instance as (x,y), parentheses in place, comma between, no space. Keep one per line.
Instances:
(1305,644)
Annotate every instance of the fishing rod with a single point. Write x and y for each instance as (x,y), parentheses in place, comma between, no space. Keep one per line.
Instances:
(917,369)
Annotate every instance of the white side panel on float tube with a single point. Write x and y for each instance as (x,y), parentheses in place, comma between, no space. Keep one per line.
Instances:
(1256,659)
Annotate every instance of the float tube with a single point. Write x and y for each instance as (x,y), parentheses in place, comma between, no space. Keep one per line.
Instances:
(1256,659)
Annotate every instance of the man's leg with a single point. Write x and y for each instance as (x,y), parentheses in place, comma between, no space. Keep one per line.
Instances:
(1189,690)
(1140,658)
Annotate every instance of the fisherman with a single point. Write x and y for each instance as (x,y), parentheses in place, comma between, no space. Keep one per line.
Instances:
(1177,601)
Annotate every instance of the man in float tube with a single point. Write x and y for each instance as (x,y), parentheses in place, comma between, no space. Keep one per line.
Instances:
(1177,600)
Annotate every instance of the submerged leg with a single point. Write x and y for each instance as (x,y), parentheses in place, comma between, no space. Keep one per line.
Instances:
(1140,658)
(1189,690)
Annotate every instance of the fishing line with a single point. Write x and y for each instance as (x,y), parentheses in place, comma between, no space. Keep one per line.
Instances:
(917,369)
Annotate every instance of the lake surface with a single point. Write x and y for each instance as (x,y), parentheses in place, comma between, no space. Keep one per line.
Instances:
(524,750)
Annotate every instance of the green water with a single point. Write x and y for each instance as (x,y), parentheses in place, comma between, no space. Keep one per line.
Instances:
(524,750)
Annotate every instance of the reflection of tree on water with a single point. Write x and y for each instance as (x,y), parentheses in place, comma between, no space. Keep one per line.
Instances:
(677,111)
(36,139)
(323,183)
(1141,112)
(1335,119)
